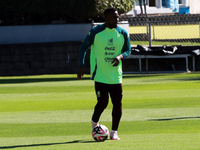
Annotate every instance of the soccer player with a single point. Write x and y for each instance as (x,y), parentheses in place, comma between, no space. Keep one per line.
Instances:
(109,45)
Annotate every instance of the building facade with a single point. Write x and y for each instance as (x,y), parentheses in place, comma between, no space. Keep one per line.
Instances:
(169,6)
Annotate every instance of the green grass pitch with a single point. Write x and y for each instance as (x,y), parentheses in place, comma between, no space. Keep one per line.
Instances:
(160,112)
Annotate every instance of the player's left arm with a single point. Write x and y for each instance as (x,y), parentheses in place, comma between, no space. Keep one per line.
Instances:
(126,50)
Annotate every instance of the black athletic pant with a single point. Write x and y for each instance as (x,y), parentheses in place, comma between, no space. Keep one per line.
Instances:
(102,92)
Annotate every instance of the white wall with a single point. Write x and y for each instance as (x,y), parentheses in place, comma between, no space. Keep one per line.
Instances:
(124,25)
(43,33)
(194,6)
(46,33)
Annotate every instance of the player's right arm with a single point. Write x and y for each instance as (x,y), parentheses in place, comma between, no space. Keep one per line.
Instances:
(82,53)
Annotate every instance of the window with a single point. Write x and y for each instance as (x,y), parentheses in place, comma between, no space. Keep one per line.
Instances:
(164,3)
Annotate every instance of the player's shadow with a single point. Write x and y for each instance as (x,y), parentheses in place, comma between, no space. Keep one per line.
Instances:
(168,119)
(45,144)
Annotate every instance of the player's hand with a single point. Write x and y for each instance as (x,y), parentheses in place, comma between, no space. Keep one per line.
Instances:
(117,60)
(80,72)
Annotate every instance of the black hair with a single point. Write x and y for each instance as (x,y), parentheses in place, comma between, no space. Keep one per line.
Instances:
(109,10)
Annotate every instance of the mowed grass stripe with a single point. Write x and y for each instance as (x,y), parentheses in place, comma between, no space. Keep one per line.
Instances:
(76,116)
(44,89)
(132,99)
(126,127)
(188,87)
(129,92)
(135,81)
(46,96)
(46,105)
(88,104)
(169,141)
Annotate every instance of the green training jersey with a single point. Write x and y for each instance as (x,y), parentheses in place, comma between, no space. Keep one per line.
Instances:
(105,45)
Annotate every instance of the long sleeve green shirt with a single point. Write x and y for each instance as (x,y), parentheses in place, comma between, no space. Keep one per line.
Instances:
(105,45)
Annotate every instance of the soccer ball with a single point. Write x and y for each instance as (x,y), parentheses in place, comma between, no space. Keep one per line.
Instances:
(100,133)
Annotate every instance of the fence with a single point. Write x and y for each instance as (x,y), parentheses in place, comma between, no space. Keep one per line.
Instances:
(184,32)
(165,33)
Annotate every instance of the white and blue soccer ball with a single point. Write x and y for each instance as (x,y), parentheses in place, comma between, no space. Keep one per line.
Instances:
(100,133)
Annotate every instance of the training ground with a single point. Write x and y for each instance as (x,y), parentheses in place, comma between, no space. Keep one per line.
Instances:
(160,111)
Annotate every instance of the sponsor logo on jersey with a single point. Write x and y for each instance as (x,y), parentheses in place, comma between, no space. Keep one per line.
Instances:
(110,45)
(107,59)
(110,48)
(110,41)
(109,53)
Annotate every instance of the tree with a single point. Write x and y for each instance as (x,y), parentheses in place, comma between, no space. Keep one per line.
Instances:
(122,6)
